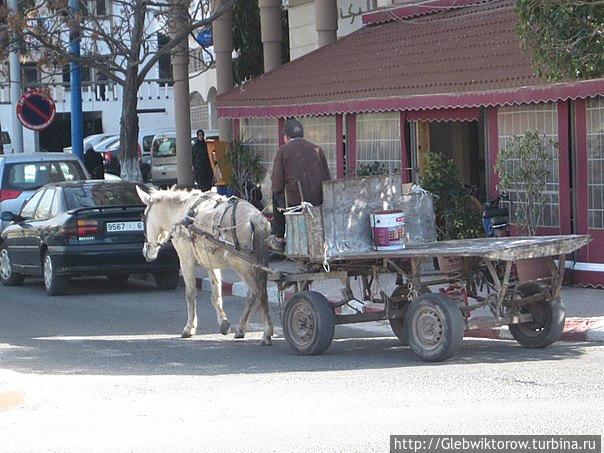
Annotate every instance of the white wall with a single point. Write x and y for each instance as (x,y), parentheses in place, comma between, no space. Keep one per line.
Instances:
(302,30)
(151,96)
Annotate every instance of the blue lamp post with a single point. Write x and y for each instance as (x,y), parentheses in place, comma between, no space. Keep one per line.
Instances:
(77,121)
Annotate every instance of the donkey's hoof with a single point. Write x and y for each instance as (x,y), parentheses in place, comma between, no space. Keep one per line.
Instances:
(267,341)
(187,333)
(225,327)
(239,334)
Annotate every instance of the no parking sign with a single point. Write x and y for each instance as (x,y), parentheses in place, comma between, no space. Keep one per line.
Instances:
(35,110)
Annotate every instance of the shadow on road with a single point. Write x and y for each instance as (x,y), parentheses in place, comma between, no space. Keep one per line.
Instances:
(92,331)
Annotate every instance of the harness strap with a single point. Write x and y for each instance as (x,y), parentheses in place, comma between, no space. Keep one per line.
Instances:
(234,202)
(192,211)
(231,204)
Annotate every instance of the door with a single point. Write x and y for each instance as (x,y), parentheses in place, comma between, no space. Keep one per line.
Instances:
(40,226)
(17,236)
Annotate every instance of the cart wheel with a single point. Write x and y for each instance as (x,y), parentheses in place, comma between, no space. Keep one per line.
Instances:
(435,327)
(308,323)
(548,320)
(398,324)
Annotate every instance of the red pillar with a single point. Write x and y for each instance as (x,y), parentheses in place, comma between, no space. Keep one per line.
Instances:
(563,167)
(493,148)
(236,129)
(405,172)
(581,185)
(351,142)
(339,146)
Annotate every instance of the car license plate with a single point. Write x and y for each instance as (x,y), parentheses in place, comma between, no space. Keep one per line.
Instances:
(113,227)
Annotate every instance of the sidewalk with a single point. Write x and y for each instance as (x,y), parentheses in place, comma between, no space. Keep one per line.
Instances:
(584,306)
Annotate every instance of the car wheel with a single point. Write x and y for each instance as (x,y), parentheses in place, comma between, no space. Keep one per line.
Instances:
(167,279)
(55,284)
(7,276)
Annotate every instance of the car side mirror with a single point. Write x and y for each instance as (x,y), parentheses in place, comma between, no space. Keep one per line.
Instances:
(4,138)
(8,216)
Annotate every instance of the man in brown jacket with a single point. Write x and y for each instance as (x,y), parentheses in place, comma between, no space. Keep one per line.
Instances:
(298,171)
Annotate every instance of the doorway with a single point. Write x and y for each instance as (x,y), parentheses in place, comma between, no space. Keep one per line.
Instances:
(460,142)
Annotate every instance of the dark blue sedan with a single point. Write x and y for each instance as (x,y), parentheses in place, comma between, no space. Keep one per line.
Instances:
(82,228)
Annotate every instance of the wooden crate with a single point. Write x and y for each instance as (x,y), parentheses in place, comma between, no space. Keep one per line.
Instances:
(304,234)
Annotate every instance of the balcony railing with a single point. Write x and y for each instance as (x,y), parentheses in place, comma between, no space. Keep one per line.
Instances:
(93,92)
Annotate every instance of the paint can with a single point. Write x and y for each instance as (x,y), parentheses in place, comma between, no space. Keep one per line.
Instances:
(388,229)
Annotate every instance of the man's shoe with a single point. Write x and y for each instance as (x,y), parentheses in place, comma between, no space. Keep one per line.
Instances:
(276,244)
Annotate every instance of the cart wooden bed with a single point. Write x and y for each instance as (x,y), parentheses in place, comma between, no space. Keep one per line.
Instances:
(430,310)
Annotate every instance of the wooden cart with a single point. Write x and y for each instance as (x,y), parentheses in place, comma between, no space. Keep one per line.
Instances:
(429,310)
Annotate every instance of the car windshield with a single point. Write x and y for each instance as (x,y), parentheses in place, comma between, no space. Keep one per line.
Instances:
(33,175)
(106,143)
(164,147)
(147,142)
(102,194)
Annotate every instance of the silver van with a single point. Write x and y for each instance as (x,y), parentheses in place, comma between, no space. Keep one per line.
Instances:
(22,174)
(163,156)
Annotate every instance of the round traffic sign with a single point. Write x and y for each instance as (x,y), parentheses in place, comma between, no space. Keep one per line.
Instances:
(35,111)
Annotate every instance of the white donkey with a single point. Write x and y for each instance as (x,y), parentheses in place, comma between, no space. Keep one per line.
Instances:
(232,220)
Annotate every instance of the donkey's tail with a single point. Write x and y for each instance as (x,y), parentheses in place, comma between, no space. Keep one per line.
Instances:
(261,229)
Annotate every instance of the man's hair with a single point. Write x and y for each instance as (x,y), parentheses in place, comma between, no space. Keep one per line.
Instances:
(200,131)
(293,128)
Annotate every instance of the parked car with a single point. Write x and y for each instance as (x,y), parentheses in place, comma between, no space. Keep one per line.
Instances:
(90,141)
(163,156)
(111,151)
(82,228)
(22,174)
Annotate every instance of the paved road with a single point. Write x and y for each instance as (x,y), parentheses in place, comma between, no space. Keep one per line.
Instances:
(104,369)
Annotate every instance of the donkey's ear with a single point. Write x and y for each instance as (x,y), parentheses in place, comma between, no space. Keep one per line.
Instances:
(144,196)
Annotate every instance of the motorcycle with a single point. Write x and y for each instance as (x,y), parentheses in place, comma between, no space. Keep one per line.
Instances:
(495,218)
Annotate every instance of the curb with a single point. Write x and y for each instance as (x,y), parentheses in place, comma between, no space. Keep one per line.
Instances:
(590,329)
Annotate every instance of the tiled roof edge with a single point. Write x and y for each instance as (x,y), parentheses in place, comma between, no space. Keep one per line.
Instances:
(400,12)
(525,95)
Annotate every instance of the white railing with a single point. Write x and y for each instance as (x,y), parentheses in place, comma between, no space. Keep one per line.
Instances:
(98,91)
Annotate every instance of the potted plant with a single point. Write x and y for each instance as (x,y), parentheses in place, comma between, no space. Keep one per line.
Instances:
(523,168)
(453,206)
(246,171)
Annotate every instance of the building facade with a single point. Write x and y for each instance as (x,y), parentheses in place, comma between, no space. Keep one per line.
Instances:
(431,78)
(101,98)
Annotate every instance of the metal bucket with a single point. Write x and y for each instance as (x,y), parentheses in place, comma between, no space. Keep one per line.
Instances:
(388,229)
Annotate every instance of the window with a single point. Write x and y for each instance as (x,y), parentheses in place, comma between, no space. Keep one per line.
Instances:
(101,7)
(542,118)
(89,196)
(321,130)
(379,140)
(30,73)
(164,147)
(85,75)
(165,65)
(32,176)
(45,206)
(595,159)
(30,207)
(147,142)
